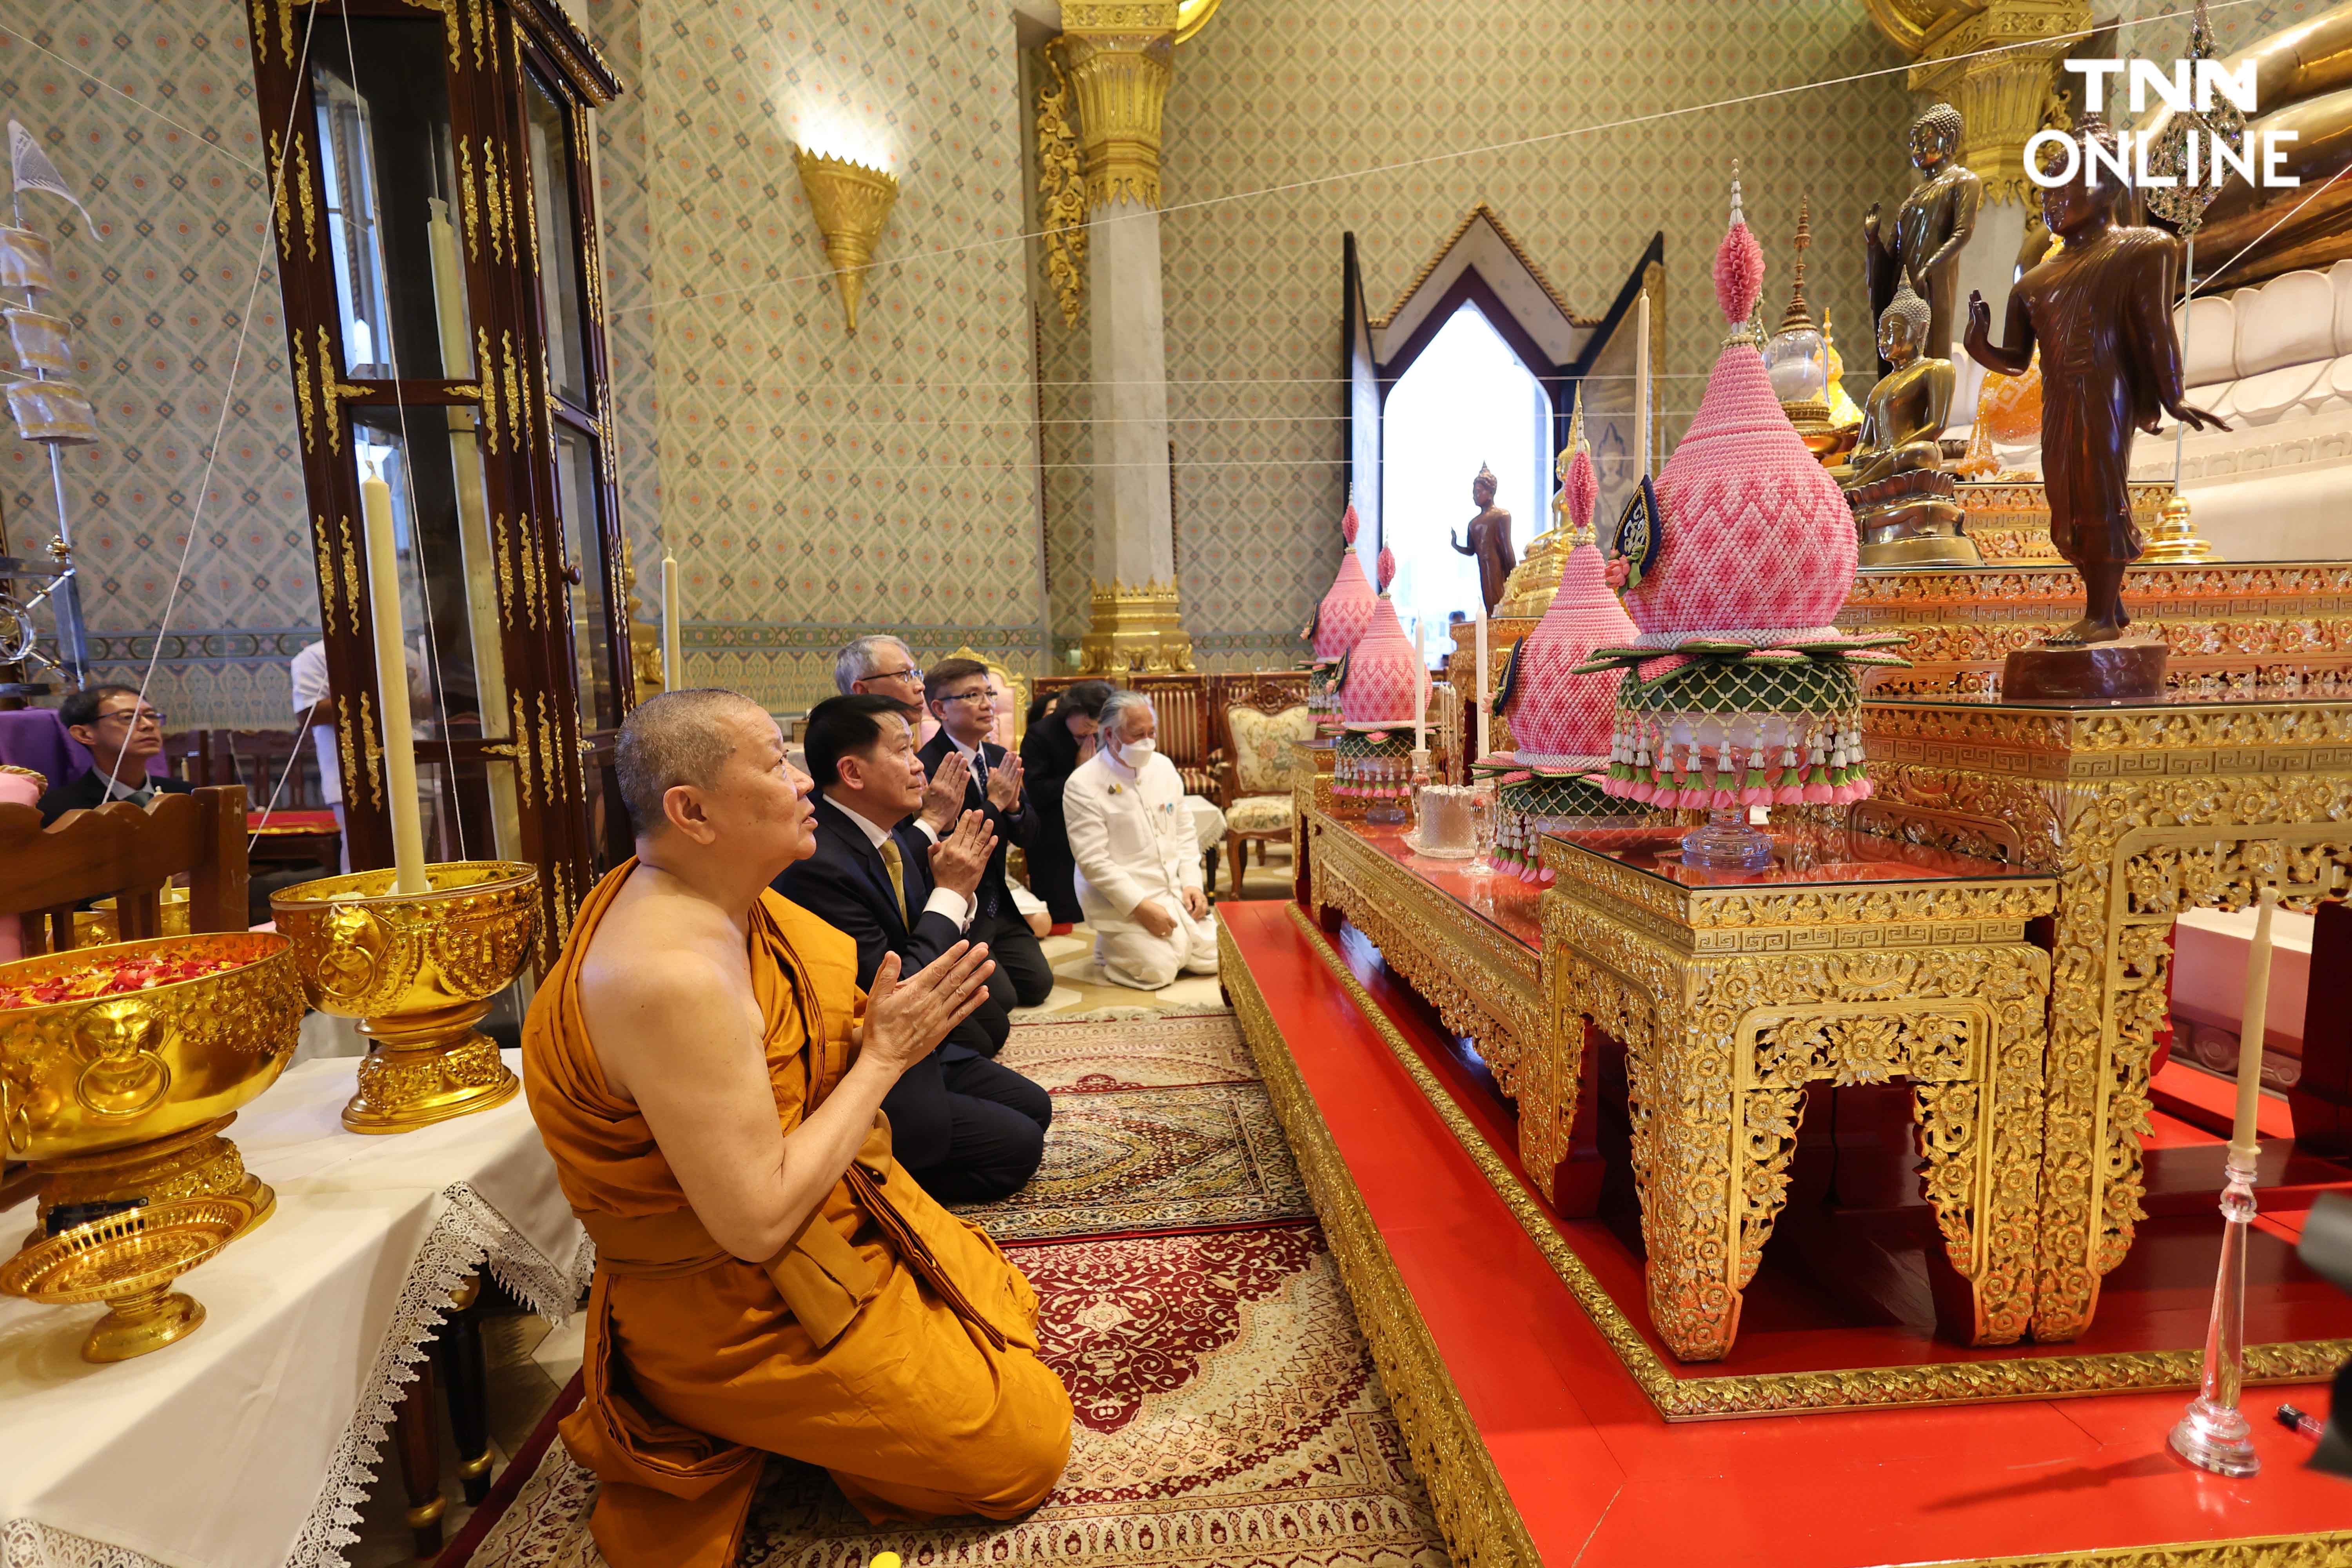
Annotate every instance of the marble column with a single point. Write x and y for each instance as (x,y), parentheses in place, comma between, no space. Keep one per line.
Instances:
(1119,55)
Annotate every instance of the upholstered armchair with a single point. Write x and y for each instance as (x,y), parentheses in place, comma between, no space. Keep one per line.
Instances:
(1259,715)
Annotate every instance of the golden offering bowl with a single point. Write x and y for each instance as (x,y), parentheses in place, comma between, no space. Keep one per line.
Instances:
(129,1261)
(125,1097)
(419,971)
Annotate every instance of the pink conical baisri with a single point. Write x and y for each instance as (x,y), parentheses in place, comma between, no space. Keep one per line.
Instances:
(1384,680)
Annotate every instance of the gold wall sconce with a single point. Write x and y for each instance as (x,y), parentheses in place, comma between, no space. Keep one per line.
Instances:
(850,200)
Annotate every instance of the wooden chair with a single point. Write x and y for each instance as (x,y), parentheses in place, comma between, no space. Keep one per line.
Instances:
(1256,715)
(258,759)
(1182,701)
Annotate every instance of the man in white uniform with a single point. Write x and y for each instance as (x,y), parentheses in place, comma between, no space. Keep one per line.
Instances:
(1138,861)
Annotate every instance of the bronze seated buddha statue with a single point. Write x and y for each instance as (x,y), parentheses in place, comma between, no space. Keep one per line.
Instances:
(1894,479)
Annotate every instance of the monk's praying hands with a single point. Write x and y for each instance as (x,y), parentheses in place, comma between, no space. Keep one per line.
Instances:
(905,1018)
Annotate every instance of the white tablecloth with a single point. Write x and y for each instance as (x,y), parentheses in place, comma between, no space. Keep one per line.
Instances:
(250,1443)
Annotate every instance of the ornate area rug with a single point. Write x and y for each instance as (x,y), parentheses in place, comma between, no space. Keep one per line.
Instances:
(1154,1159)
(1094,1056)
(1227,1410)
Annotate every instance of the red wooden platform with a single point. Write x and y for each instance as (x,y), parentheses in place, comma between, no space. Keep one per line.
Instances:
(1598,1478)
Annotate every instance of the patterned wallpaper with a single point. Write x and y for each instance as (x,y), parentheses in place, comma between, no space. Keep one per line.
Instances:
(1277,93)
(149,111)
(813,485)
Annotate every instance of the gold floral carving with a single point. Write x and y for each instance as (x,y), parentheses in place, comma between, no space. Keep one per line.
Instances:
(534,601)
(488,364)
(1692,1393)
(466,195)
(302,393)
(518,401)
(1467,1493)
(524,762)
(352,588)
(371,749)
(2141,813)
(496,211)
(324,556)
(555,771)
(501,568)
(452,23)
(345,728)
(1061,190)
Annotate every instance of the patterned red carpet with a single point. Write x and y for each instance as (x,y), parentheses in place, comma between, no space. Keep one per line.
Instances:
(1227,1409)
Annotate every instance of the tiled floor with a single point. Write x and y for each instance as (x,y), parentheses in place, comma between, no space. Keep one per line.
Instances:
(529,1363)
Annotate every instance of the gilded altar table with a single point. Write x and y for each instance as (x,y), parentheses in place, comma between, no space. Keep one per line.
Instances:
(1851,960)
(1470,946)
(2141,810)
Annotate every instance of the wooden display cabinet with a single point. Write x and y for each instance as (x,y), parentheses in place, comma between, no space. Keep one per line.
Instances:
(437,241)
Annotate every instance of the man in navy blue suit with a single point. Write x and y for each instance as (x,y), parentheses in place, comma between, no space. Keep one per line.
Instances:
(960,695)
(968,1130)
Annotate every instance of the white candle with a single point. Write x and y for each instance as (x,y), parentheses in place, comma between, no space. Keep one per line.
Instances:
(1485,738)
(1419,686)
(672,673)
(392,686)
(1642,384)
(2253,1020)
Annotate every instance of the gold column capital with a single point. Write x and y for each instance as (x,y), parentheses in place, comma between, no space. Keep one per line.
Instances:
(2002,96)
(1120,55)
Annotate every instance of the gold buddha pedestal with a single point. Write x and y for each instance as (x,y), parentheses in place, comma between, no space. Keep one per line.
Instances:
(116,1098)
(1911,519)
(419,971)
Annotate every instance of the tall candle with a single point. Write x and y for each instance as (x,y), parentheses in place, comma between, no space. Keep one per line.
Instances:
(1486,739)
(392,686)
(1419,686)
(671,673)
(1642,383)
(2252,1021)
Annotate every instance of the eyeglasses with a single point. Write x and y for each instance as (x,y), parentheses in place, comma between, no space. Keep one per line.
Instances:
(911,672)
(144,716)
(982,695)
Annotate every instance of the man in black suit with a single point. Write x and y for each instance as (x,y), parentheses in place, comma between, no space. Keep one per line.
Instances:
(124,735)
(968,1130)
(961,697)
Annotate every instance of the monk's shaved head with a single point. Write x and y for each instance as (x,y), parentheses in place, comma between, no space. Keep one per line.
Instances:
(677,737)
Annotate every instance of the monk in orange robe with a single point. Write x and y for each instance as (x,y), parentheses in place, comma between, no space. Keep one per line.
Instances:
(709,1078)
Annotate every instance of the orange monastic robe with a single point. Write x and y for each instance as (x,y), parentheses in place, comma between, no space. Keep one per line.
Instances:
(891,1343)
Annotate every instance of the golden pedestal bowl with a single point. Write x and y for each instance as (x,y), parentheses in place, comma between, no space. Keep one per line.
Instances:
(112,1098)
(418,971)
(129,1261)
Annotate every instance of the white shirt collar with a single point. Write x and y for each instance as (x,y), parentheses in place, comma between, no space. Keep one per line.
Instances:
(1118,769)
(117,790)
(874,836)
(970,753)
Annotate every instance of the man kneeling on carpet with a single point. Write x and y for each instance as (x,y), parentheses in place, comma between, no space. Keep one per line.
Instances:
(971,1131)
(709,1076)
(1139,878)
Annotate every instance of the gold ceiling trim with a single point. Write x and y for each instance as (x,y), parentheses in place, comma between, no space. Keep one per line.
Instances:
(1510,242)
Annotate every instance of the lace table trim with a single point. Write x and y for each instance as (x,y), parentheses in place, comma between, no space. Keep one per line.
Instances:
(467,1235)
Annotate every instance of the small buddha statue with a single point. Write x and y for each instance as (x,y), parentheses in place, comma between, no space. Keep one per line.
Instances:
(1931,228)
(1894,479)
(1490,540)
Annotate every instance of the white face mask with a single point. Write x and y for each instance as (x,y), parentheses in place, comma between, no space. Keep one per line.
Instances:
(1136,754)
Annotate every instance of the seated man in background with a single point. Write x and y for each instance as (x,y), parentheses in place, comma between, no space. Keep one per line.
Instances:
(968,1130)
(709,1078)
(1138,859)
(123,735)
(881,664)
(962,700)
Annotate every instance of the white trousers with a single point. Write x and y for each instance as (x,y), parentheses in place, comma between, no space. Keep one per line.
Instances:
(1133,956)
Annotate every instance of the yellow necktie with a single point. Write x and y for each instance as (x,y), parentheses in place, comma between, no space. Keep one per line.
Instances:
(897,868)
